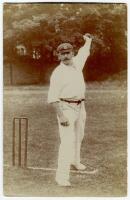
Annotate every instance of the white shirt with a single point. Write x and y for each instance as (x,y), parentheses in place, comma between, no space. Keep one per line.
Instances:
(67,81)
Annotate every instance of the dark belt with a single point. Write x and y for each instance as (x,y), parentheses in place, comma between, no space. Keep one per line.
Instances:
(71,101)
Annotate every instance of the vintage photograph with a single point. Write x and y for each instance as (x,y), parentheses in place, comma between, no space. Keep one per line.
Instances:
(65,99)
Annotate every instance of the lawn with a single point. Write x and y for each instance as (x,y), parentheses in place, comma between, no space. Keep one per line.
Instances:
(104,145)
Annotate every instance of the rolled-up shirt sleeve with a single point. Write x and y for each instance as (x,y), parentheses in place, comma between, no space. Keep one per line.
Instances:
(83,54)
(55,88)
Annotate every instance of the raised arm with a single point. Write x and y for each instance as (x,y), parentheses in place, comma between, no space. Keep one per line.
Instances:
(83,53)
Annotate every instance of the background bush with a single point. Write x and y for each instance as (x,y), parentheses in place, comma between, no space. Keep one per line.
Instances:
(50,24)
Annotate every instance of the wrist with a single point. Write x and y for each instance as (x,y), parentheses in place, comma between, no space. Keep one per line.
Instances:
(60,115)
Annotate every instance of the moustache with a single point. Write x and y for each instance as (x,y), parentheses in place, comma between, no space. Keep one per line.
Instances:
(66,59)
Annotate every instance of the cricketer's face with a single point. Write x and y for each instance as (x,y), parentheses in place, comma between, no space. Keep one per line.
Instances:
(66,57)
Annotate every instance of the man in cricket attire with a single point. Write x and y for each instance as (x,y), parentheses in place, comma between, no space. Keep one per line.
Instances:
(67,95)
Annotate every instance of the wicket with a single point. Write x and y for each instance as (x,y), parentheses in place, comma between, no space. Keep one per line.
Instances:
(18,121)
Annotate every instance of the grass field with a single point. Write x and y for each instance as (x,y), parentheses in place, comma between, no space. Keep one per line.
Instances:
(104,145)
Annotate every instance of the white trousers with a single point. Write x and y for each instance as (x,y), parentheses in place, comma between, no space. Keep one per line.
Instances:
(71,138)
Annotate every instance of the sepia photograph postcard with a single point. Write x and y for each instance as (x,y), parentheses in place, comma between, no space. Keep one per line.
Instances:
(64,99)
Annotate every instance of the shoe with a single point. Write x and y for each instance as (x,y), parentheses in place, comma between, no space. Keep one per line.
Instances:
(88,168)
(63,183)
(79,166)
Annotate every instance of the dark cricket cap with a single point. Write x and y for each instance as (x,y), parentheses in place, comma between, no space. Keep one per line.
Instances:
(64,47)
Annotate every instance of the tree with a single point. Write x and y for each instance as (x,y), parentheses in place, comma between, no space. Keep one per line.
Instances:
(52,24)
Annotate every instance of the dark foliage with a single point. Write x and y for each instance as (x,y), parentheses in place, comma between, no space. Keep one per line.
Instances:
(47,25)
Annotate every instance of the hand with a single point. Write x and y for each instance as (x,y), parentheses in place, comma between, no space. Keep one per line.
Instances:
(64,121)
(87,35)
